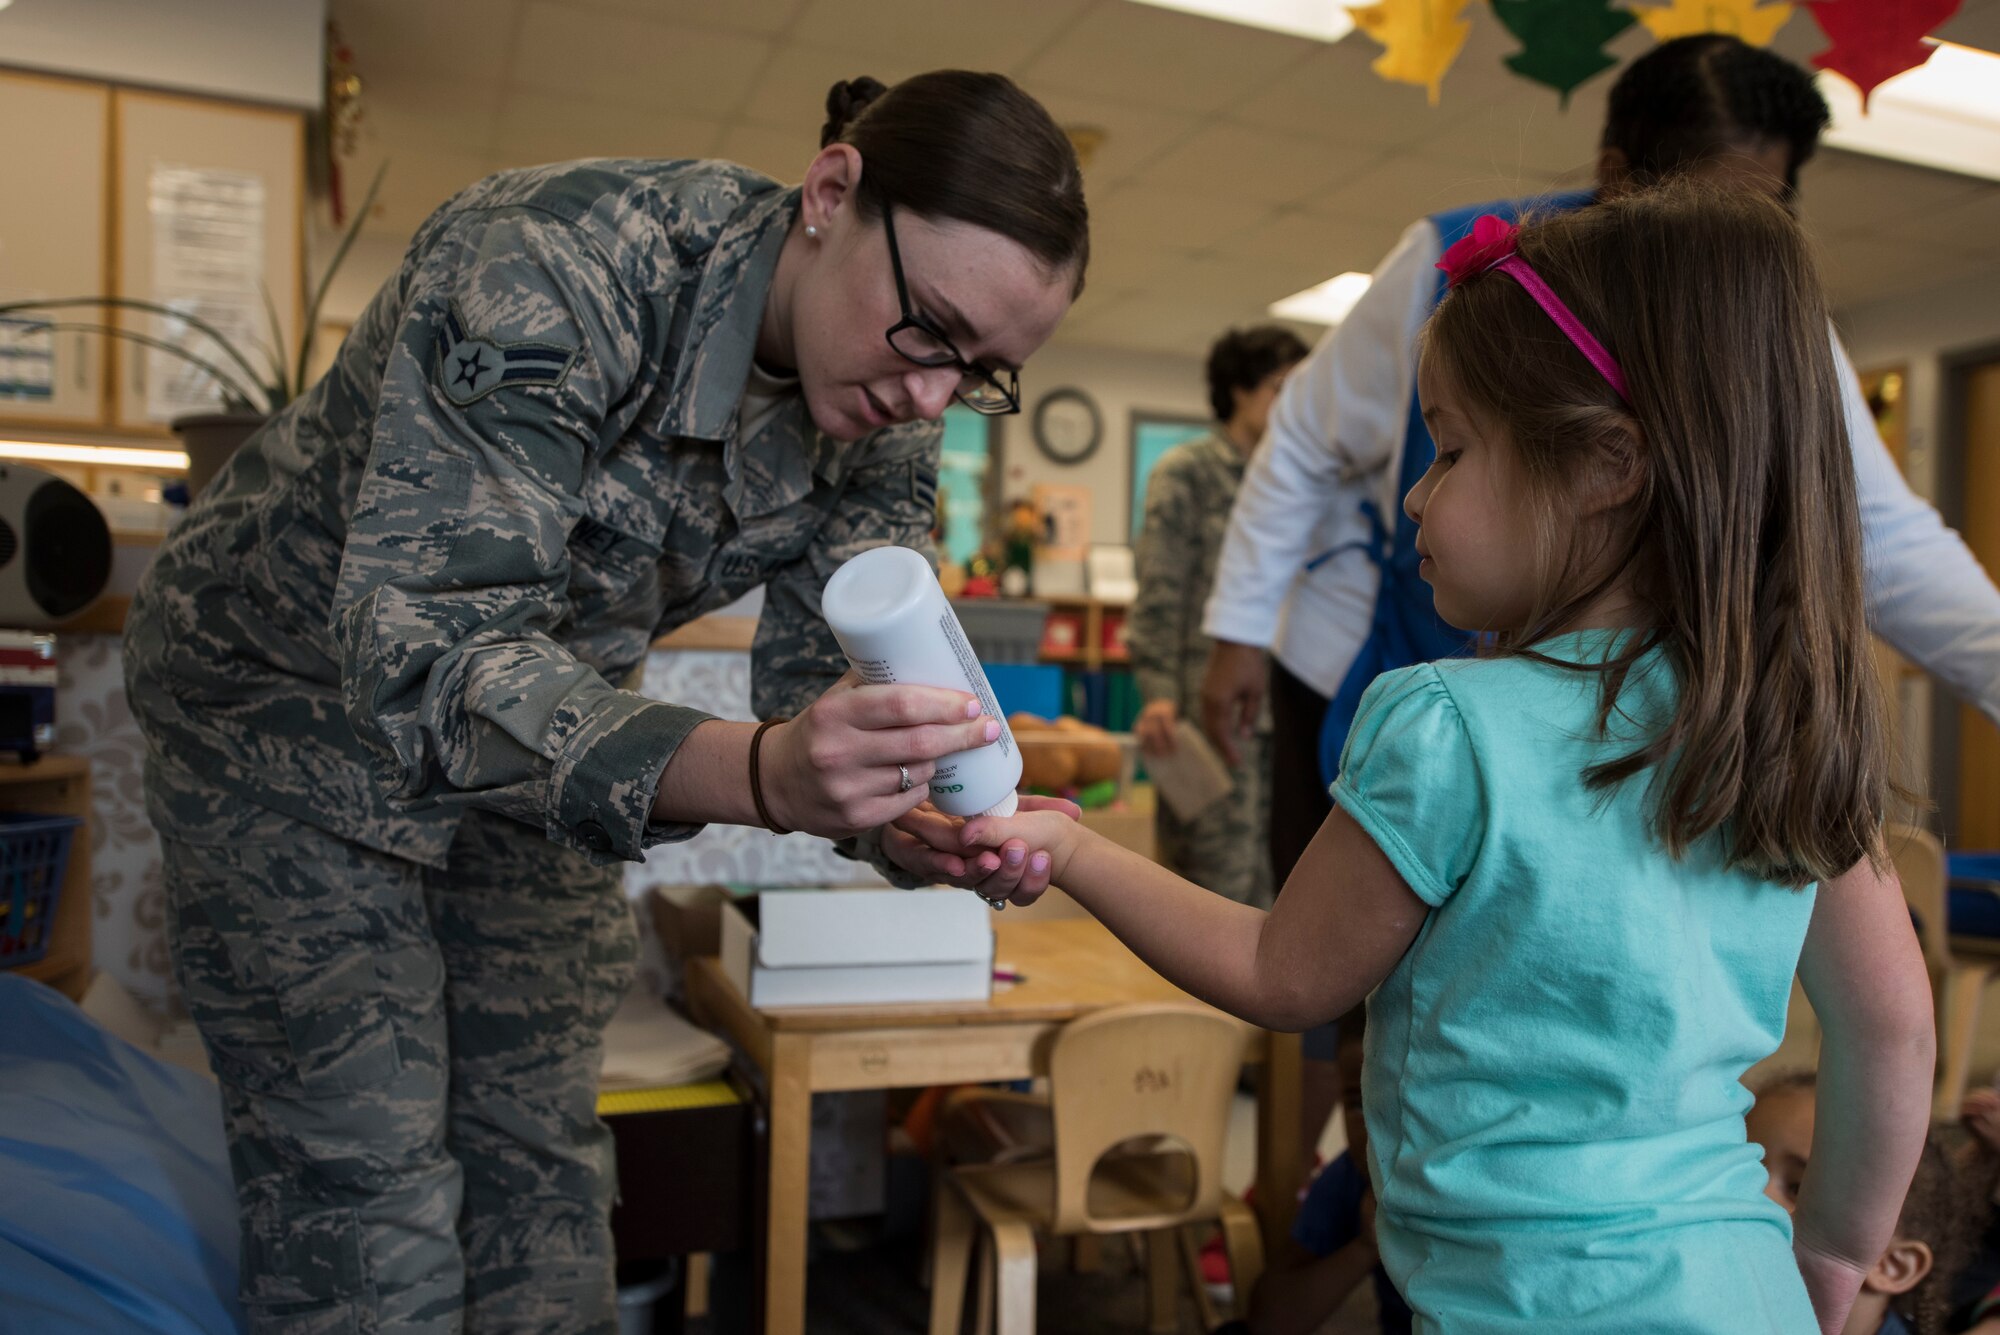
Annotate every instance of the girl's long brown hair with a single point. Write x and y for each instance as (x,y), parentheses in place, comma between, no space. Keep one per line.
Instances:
(1743,539)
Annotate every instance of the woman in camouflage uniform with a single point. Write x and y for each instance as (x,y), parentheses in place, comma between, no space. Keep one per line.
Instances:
(377,665)
(1187,513)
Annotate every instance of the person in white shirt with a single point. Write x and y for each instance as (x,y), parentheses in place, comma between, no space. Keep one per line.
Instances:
(1295,610)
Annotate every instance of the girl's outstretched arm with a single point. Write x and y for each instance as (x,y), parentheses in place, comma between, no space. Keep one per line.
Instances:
(1865,977)
(1344,920)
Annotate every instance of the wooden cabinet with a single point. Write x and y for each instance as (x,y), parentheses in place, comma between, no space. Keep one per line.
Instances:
(59,786)
(151,196)
(54,223)
(210,209)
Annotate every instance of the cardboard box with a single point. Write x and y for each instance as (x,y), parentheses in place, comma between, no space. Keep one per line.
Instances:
(688,919)
(858,947)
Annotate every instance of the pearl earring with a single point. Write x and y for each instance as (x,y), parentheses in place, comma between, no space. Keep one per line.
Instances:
(811,230)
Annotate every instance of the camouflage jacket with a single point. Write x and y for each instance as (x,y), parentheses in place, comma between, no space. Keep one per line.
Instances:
(1187,513)
(416,588)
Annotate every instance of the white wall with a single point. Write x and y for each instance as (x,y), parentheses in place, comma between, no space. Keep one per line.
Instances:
(253,50)
(1121,383)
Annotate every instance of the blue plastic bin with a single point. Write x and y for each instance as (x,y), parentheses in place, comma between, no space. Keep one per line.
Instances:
(34,858)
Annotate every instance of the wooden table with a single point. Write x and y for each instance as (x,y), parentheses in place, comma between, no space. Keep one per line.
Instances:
(1072,966)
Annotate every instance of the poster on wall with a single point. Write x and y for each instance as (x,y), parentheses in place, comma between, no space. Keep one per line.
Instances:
(208,261)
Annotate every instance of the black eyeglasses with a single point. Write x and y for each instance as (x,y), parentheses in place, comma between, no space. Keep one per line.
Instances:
(916,339)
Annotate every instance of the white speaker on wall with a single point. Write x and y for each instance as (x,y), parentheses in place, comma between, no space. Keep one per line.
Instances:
(55,549)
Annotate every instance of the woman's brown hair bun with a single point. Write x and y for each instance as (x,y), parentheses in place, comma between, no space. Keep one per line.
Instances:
(845,101)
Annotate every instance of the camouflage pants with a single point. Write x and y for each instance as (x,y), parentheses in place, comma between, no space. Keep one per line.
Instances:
(1224,849)
(409,1063)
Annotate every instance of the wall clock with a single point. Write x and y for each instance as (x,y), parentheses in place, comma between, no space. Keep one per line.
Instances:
(1068,428)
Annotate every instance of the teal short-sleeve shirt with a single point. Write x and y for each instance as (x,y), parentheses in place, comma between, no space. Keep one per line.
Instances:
(1552,1079)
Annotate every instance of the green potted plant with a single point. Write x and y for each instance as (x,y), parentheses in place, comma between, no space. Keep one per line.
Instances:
(250,396)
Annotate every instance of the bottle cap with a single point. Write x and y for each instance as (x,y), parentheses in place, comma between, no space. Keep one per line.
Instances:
(1006,806)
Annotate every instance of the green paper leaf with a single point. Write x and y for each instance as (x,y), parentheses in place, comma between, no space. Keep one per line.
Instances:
(1562,41)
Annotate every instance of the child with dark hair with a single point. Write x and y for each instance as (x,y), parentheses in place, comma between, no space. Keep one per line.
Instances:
(1908,1289)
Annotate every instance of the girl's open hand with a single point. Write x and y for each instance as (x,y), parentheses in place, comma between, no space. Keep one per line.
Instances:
(929,842)
(1049,829)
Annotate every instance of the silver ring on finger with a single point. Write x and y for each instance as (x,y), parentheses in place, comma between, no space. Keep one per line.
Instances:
(907,783)
(997,905)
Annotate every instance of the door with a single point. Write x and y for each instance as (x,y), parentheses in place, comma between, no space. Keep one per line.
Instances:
(1978,741)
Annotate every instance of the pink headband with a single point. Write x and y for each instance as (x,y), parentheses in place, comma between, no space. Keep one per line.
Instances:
(1490,245)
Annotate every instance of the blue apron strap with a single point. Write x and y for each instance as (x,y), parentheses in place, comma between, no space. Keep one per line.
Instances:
(1405,628)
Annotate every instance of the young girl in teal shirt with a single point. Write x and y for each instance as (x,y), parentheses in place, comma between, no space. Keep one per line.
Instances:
(1574,875)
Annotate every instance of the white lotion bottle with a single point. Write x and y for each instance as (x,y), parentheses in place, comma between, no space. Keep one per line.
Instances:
(895,625)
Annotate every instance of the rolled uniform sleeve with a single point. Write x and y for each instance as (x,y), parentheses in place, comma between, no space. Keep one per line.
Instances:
(514,362)
(889,500)
(1160,624)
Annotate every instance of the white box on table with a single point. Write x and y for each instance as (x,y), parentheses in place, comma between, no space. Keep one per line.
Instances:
(858,947)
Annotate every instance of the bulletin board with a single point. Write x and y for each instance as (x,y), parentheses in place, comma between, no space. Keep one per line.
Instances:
(1153,434)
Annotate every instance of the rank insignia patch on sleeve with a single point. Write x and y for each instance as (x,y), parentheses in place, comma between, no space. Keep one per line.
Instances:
(471,368)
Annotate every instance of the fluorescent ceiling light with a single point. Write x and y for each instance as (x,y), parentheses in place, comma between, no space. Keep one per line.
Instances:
(1324,303)
(105,456)
(1945,113)
(1325,20)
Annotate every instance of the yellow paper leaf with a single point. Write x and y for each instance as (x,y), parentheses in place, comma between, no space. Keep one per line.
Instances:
(1420,39)
(1754,23)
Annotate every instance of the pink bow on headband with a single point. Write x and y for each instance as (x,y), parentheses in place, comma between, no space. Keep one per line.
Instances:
(1491,245)
(1490,241)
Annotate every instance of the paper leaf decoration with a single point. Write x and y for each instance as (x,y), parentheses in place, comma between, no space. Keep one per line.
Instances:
(1420,39)
(1875,40)
(1754,23)
(1561,40)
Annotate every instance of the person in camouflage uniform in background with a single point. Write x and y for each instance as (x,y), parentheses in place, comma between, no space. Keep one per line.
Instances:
(1187,512)
(376,666)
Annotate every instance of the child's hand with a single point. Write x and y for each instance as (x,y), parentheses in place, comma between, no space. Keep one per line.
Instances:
(1044,828)
(1004,872)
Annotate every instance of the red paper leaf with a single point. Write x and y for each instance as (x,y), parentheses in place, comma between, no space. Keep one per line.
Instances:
(1875,40)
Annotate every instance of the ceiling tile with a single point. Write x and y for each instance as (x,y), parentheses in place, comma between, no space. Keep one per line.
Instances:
(1862,266)
(636,63)
(1970,226)
(1132,135)
(765,17)
(1118,264)
(1157,58)
(398,44)
(1402,187)
(1333,95)
(418,180)
(439,113)
(1171,219)
(1843,192)
(1254,166)
(938,34)
(534,127)
(1323,246)
(1977,23)
(791,90)
(781,155)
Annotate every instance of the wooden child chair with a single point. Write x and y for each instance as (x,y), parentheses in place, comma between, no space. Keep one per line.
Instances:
(1139,1100)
